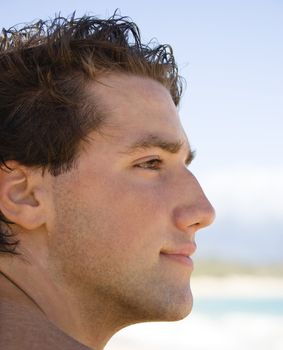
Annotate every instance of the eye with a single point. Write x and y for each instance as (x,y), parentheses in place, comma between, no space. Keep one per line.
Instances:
(151,164)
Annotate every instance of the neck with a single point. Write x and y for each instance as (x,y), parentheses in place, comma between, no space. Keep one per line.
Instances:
(91,325)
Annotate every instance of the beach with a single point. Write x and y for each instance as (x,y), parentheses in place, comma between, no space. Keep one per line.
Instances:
(238,286)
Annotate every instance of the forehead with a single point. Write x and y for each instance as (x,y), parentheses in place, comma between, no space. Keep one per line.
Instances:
(136,106)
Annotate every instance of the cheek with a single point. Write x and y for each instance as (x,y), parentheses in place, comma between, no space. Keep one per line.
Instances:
(112,215)
(114,227)
(123,216)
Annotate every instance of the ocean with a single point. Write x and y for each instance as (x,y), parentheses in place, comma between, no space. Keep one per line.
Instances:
(248,306)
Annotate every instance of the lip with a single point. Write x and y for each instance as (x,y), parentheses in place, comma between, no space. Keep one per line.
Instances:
(181,259)
(182,254)
(186,250)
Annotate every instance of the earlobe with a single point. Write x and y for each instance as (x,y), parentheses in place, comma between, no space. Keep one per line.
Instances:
(18,197)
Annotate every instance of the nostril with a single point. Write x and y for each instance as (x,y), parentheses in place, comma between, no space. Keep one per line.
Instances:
(204,215)
(196,215)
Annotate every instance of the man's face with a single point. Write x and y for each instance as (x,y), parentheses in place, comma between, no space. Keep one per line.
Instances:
(125,219)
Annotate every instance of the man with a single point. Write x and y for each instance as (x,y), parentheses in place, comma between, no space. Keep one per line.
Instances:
(98,209)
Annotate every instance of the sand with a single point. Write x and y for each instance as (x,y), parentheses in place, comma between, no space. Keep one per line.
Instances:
(237,286)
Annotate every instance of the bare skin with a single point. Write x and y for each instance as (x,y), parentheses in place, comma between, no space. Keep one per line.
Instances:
(24,325)
(107,244)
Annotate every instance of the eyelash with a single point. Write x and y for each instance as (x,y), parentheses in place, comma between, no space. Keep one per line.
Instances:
(149,164)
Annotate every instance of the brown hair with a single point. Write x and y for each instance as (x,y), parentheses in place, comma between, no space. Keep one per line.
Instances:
(44,68)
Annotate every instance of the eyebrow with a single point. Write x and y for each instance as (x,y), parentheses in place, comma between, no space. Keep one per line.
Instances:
(151,141)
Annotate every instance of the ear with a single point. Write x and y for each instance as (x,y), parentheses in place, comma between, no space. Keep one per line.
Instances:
(21,195)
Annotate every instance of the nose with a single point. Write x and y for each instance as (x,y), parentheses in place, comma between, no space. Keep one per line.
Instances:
(195,211)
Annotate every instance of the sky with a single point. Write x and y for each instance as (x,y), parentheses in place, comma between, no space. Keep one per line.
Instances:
(231,56)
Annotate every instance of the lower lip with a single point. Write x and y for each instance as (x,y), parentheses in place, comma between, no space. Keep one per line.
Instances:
(181,259)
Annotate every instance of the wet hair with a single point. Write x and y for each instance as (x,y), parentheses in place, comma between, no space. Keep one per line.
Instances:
(45,67)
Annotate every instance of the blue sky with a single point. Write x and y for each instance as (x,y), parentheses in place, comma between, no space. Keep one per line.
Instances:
(231,55)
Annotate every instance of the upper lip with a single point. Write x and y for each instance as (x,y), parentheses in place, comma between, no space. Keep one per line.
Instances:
(185,250)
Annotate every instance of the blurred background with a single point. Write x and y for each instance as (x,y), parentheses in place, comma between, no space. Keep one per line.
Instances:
(231,55)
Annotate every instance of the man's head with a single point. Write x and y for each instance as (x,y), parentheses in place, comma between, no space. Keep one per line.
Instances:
(116,229)
(45,72)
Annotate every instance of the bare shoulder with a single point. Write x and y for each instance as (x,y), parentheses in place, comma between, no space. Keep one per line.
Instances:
(23,328)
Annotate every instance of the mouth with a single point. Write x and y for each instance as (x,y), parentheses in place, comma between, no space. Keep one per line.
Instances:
(181,255)
(181,259)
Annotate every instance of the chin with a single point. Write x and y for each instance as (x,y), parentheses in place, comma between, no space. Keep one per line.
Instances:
(171,305)
(180,312)
(176,309)
(181,307)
